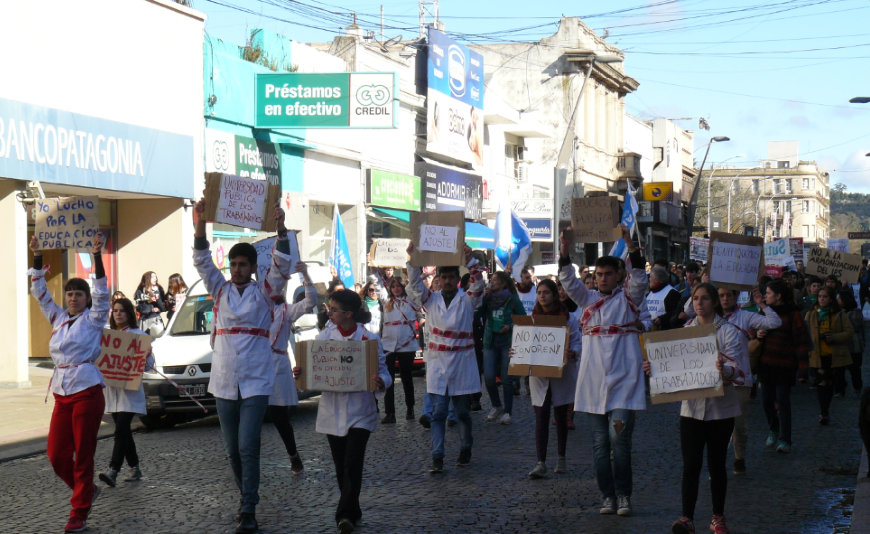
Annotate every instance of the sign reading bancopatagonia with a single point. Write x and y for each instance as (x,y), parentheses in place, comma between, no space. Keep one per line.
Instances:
(330,100)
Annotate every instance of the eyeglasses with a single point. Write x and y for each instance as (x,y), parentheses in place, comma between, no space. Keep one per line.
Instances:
(372,290)
(335,310)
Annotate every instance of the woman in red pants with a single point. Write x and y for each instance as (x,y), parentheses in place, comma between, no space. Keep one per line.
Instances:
(76,383)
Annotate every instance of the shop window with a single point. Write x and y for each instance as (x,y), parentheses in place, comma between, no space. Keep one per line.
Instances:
(515,164)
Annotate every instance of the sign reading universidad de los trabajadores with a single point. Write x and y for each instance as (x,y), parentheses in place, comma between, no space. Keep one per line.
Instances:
(328,100)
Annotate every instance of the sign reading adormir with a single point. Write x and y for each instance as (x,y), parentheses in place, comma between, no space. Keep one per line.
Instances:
(331,100)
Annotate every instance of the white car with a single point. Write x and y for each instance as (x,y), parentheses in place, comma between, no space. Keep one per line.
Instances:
(183,353)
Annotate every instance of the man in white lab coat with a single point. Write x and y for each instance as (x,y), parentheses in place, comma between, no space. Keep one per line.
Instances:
(451,365)
(243,370)
(610,383)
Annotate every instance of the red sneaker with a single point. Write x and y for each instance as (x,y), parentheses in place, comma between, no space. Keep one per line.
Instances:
(718,525)
(75,524)
(683,525)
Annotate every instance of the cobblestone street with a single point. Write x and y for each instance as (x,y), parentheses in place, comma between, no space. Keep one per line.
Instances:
(188,485)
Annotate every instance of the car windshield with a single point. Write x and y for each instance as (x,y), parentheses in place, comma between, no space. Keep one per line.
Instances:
(195,316)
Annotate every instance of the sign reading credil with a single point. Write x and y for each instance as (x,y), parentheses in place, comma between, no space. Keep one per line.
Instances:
(328,100)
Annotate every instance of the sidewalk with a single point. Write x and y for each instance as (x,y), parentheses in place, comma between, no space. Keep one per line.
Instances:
(26,417)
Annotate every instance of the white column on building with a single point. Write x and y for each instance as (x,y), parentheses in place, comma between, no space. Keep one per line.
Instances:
(15,289)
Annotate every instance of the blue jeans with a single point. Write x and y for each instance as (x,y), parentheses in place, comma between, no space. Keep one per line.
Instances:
(241,422)
(497,359)
(461,403)
(427,408)
(613,480)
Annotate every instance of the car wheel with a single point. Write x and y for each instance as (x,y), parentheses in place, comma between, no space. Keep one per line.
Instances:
(158,421)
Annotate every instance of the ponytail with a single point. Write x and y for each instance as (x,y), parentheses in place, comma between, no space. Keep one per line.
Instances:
(363,316)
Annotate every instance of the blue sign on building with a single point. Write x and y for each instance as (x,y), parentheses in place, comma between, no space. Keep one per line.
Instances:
(446,189)
(56,146)
(540,229)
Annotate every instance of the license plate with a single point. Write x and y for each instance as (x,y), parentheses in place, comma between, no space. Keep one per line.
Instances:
(196,390)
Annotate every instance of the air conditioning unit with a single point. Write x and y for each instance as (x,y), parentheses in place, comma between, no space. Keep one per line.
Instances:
(522,173)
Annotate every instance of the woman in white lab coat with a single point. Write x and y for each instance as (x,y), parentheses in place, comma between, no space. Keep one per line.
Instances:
(124,404)
(76,383)
(285,394)
(348,419)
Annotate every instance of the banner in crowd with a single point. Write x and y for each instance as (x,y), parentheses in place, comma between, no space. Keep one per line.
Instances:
(240,201)
(796,245)
(339,256)
(327,100)
(735,261)
(454,100)
(777,257)
(122,358)
(264,249)
(67,222)
(513,241)
(340,366)
(438,238)
(595,219)
(540,345)
(390,252)
(838,244)
(823,262)
(698,248)
(683,364)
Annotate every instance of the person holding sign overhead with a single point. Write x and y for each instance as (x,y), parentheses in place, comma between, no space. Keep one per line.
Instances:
(243,370)
(556,392)
(709,422)
(76,383)
(451,367)
(348,419)
(124,404)
(610,382)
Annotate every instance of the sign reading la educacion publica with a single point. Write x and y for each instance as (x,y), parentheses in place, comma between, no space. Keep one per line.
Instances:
(328,100)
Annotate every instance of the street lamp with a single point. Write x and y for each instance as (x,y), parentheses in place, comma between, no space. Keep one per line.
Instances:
(710,179)
(859,100)
(693,203)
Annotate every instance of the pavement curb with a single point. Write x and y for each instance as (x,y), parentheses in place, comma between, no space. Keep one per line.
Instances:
(861,508)
(36,446)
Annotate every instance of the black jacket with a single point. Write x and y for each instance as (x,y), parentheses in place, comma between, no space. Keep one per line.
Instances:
(144,305)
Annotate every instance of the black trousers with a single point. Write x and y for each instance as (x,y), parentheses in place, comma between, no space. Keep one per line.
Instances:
(406,366)
(124,446)
(348,454)
(854,371)
(694,436)
(281,418)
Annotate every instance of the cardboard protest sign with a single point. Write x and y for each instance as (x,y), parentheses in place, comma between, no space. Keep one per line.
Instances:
(67,222)
(439,237)
(338,366)
(389,252)
(824,261)
(595,219)
(122,358)
(240,201)
(796,244)
(683,364)
(264,254)
(698,248)
(778,257)
(735,261)
(540,346)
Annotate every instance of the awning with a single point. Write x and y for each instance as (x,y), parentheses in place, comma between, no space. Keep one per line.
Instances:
(476,235)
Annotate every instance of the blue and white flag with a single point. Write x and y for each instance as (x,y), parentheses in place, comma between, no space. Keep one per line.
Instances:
(513,243)
(340,255)
(629,218)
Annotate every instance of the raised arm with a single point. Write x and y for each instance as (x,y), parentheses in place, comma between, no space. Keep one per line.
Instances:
(279,270)
(379,284)
(208,271)
(474,294)
(574,287)
(100,308)
(769,320)
(295,311)
(417,290)
(38,289)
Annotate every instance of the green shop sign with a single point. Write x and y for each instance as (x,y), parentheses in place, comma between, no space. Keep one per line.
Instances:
(393,190)
(242,156)
(329,100)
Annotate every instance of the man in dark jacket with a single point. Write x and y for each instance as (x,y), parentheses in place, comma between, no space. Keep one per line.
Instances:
(662,300)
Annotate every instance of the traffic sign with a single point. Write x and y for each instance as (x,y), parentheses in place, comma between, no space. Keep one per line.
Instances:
(859,235)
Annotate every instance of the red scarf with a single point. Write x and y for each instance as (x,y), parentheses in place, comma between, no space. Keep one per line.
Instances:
(561,309)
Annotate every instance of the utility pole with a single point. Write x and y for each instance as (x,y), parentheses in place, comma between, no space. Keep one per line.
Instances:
(382,23)
(424,11)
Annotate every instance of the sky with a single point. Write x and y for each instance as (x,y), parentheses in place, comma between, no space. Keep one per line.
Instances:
(769,70)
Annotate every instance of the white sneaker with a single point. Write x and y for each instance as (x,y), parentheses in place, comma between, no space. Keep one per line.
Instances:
(540,471)
(494,414)
(624,505)
(505,419)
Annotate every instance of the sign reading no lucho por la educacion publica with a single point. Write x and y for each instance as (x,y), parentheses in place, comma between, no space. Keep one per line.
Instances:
(328,100)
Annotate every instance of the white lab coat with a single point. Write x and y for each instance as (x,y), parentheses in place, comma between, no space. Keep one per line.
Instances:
(74,349)
(242,362)
(451,366)
(284,393)
(339,412)
(398,333)
(611,367)
(728,405)
(129,400)
(745,321)
(561,389)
